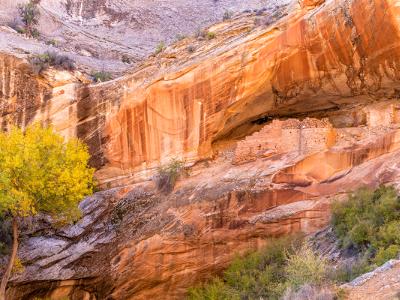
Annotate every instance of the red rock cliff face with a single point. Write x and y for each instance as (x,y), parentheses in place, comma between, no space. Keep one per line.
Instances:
(337,62)
(307,62)
(310,60)
(137,243)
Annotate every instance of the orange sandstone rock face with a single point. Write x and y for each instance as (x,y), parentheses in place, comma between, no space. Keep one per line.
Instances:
(311,3)
(50,98)
(135,243)
(305,62)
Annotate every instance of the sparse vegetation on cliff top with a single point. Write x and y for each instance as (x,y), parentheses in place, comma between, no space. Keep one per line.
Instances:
(101,76)
(41,62)
(30,14)
(160,47)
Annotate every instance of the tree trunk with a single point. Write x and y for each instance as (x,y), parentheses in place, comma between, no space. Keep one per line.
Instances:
(10,265)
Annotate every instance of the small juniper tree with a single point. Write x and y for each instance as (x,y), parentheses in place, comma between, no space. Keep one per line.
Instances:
(40,173)
(30,15)
(101,76)
(169,174)
(160,47)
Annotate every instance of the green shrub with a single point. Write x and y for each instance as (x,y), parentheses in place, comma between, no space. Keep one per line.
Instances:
(35,33)
(211,35)
(160,47)
(204,34)
(169,174)
(200,33)
(385,254)
(259,275)
(369,222)
(20,30)
(361,233)
(310,292)
(305,267)
(215,290)
(101,76)
(389,234)
(30,15)
(180,37)
(48,59)
(52,42)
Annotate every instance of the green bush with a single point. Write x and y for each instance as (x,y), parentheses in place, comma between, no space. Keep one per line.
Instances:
(48,59)
(385,254)
(211,35)
(160,47)
(126,59)
(305,267)
(369,222)
(215,290)
(180,37)
(168,175)
(204,34)
(259,275)
(310,292)
(52,42)
(191,48)
(389,234)
(30,15)
(101,76)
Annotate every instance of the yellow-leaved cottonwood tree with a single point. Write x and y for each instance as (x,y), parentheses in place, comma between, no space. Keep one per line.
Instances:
(40,173)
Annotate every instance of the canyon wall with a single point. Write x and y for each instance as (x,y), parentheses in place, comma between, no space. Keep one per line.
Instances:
(328,71)
(136,243)
(310,60)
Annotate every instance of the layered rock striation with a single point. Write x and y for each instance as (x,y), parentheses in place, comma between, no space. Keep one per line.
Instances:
(309,60)
(275,121)
(135,242)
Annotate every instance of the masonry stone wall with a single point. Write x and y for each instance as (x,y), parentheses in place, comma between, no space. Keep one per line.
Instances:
(283,136)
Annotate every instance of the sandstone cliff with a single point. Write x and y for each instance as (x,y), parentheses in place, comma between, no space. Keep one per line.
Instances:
(275,121)
(180,103)
(135,243)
